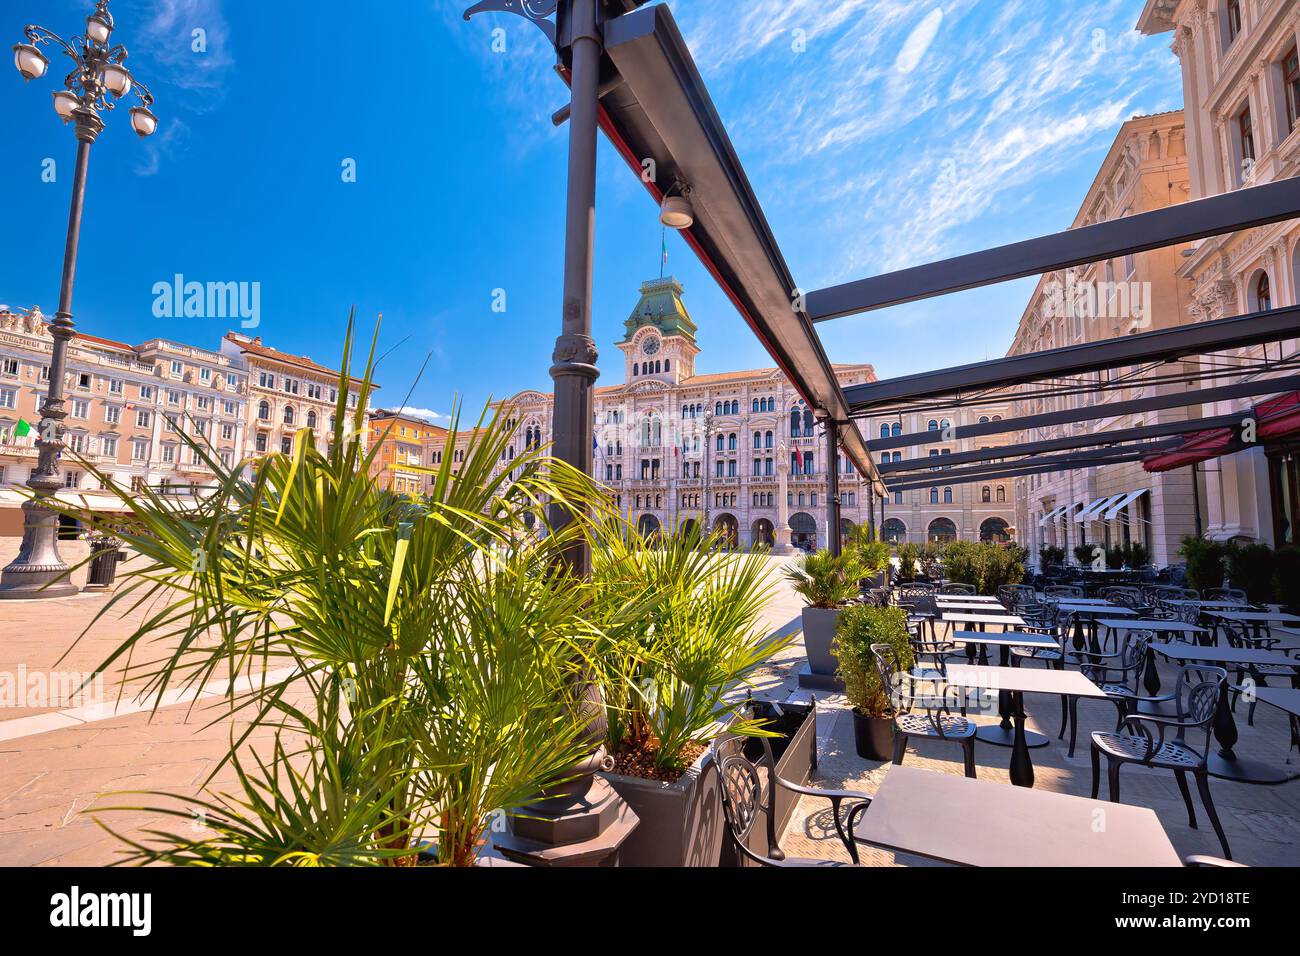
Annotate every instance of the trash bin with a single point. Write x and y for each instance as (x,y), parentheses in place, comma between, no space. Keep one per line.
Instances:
(103,564)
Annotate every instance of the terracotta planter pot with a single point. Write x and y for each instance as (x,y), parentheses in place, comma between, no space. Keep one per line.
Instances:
(873,737)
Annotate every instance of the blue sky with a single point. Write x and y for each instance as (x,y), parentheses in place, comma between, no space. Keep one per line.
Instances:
(877,134)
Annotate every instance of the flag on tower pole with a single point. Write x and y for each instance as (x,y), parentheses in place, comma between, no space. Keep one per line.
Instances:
(663,245)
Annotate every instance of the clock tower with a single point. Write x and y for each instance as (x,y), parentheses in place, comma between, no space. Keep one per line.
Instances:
(659,339)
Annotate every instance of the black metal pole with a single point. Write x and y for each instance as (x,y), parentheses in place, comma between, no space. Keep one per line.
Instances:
(1196,501)
(832,489)
(574,370)
(39,570)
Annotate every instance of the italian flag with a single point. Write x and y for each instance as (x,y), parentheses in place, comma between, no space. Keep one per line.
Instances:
(22,429)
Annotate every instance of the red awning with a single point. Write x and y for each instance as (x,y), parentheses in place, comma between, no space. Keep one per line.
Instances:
(1198,446)
(1278,417)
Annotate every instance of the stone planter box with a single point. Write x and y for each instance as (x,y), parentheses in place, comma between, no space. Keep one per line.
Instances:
(818,631)
(681,823)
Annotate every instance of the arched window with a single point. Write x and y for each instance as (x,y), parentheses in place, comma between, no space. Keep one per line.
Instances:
(754,406)
(997,418)
(721,442)
(933,426)
(658,366)
(636,368)
(717,408)
(758,440)
(934,496)
(947,496)
(666,362)
(895,429)
(898,456)
(984,419)
(986,494)
(1002,494)
(264,411)
(288,414)
(807,421)
(884,430)
(767,439)
(794,422)
(945,424)
(1263,294)
(731,442)
(311,419)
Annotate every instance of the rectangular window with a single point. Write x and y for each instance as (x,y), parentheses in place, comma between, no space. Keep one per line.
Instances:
(80,408)
(146,392)
(139,450)
(1233,14)
(77,442)
(173,397)
(266,380)
(11,367)
(205,374)
(228,407)
(112,414)
(115,386)
(205,403)
(232,380)
(108,446)
(286,445)
(8,397)
(83,380)
(169,454)
(1291,84)
(143,419)
(72,479)
(227,432)
(177,368)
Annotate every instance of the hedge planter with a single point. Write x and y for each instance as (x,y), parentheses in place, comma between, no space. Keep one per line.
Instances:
(873,737)
(818,632)
(681,823)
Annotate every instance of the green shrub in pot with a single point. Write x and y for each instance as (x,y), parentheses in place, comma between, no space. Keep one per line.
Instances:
(1250,567)
(826,583)
(859,627)
(1204,562)
(909,555)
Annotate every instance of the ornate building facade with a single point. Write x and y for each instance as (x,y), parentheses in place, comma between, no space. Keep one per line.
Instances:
(679,448)
(1241,90)
(1145,169)
(129,407)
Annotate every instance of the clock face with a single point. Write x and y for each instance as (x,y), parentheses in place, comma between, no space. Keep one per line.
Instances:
(651,346)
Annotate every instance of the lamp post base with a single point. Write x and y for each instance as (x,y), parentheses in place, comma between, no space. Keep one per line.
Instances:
(38,572)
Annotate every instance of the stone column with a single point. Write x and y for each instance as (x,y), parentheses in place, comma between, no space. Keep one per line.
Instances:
(781,533)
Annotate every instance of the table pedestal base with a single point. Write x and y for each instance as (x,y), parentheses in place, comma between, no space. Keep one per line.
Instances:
(1246,770)
(994,734)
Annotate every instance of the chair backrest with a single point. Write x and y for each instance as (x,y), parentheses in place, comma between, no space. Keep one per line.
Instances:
(1123,595)
(1125,669)
(1063,590)
(1225,594)
(1187,613)
(889,669)
(742,802)
(920,598)
(1197,696)
(957,589)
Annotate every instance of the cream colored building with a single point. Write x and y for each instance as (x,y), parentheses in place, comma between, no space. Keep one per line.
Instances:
(676,447)
(1145,169)
(1241,90)
(130,406)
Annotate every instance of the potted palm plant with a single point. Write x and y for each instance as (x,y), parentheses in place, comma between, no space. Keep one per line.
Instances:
(874,556)
(414,665)
(859,627)
(826,583)
(682,633)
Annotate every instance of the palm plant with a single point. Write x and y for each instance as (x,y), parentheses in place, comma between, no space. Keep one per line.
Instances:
(686,634)
(824,580)
(455,636)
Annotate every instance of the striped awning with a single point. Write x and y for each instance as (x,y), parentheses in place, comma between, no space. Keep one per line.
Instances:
(1053,514)
(1124,501)
(1090,513)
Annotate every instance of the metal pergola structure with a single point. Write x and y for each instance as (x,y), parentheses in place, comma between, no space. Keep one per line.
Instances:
(645,93)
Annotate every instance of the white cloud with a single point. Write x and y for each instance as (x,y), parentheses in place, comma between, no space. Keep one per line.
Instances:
(918,41)
(427,414)
(186,43)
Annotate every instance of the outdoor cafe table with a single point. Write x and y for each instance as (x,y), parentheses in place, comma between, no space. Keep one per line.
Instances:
(1017,681)
(1286,699)
(980,598)
(1256,619)
(977,607)
(998,616)
(1003,735)
(1150,679)
(1226,764)
(913,812)
(1090,612)
(1208,605)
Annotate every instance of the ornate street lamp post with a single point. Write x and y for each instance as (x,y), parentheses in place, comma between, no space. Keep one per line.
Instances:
(708,432)
(98,78)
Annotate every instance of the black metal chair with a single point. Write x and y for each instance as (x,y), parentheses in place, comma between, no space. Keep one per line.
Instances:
(742,789)
(1227,594)
(1239,634)
(938,722)
(1119,675)
(1196,700)
(1063,591)
(920,604)
(968,589)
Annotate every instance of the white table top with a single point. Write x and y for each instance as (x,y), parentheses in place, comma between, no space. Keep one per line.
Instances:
(1148,624)
(969,606)
(1101,602)
(1223,605)
(930,814)
(1014,638)
(1257,617)
(1181,651)
(1284,698)
(979,598)
(962,618)
(1029,680)
(1116,609)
